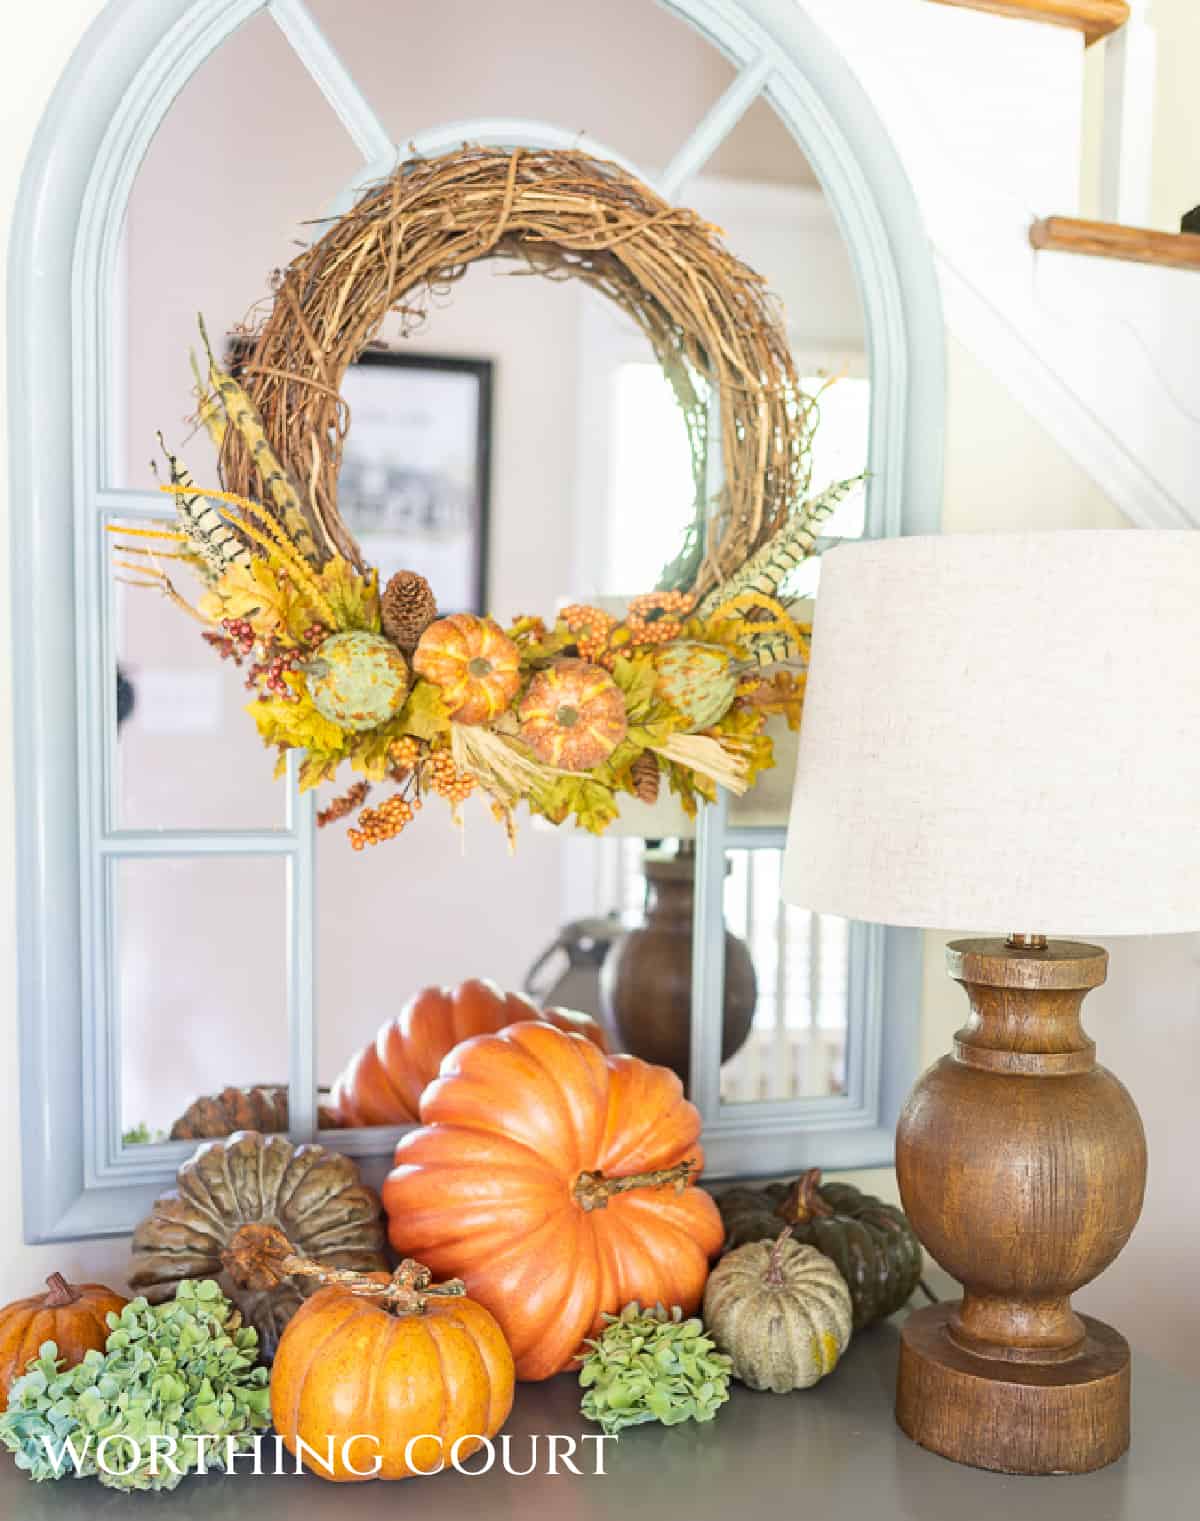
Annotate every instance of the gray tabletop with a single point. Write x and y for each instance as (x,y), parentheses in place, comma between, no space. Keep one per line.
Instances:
(832,1453)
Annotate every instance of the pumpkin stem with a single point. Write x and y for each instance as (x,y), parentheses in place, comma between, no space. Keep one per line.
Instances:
(773,1277)
(593,1190)
(803,1202)
(61,1292)
(261,1256)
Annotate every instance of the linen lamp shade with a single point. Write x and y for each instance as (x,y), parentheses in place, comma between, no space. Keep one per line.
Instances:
(1002,732)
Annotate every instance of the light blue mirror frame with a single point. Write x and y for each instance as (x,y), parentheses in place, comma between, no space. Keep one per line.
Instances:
(119,85)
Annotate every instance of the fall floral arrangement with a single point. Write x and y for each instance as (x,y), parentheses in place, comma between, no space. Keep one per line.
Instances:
(563,715)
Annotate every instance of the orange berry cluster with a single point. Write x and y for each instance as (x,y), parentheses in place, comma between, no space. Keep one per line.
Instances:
(404,753)
(447,780)
(657,617)
(375,825)
(593,627)
(581,615)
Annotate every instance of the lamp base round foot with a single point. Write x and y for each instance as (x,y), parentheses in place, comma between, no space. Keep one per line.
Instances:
(1031,1418)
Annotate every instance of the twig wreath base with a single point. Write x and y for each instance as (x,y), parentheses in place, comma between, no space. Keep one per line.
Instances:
(707,316)
(563,716)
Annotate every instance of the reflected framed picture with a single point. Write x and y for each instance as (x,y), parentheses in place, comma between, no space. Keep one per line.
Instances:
(415,482)
(414,486)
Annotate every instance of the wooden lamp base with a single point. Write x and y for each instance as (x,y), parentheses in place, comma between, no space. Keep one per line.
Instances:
(1022,1166)
(1043,1418)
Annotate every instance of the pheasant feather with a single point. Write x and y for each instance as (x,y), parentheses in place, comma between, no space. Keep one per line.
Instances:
(208,533)
(766,571)
(240,411)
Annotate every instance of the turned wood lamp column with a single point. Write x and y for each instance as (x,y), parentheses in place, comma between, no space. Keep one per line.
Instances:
(1022,1165)
(1000,729)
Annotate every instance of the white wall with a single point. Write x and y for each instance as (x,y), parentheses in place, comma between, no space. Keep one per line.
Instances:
(38,42)
(1001,471)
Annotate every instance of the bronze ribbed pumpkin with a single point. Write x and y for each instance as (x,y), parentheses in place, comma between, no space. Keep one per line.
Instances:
(874,1246)
(314,1196)
(262,1107)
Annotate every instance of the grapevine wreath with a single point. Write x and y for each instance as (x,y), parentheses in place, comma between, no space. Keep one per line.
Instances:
(563,716)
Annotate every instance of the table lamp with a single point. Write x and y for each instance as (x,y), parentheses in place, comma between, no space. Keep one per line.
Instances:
(1000,733)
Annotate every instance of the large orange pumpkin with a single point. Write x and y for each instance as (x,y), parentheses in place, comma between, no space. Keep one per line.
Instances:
(382,1084)
(351,1367)
(476,664)
(555,1182)
(72,1316)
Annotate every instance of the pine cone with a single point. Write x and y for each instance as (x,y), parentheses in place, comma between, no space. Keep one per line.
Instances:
(645,775)
(408,609)
(264,1109)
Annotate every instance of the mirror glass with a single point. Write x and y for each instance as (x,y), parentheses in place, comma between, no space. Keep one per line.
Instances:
(525,451)
(186,756)
(199,985)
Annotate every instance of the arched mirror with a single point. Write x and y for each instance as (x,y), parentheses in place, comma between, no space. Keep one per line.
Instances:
(519,445)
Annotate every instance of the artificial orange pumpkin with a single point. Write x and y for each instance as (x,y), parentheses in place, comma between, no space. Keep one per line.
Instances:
(555,1181)
(382,1084)
(72,1316)
(358,1379)
(477,666)
(573,715)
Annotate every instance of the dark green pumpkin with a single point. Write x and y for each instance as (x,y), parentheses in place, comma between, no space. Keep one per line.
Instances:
(875,1248)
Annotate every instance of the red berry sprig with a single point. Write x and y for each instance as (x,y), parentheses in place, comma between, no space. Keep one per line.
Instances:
(240,635)
(268,675)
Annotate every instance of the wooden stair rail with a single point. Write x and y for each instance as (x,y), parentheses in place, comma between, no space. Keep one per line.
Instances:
(1109,240)
(1094,18)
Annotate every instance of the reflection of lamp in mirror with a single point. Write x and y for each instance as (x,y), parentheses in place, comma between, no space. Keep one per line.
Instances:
(646,979)
(1000,733)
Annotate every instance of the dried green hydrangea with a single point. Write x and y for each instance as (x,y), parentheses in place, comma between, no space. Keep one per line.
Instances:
(174,1372)
(647,1365)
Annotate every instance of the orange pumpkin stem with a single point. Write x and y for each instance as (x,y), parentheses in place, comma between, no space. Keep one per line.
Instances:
(593,1190)
(802,1202)
(261,1256)
(61,1292)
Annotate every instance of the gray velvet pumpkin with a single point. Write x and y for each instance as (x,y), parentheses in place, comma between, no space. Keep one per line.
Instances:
(781,1311)
(313,1195)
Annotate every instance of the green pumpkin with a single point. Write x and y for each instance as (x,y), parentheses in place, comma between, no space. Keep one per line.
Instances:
(874,1246)
(697,680)
(357,680)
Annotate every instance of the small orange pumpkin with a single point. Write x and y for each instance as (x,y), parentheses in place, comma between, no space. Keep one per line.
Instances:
(573,715)
(555,1181)
(72,1316)
(477,666)
(382,1083)
(368,1365)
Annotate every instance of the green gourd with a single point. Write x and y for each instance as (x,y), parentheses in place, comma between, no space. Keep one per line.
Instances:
(357,680)
(874,1246)
(780,1311)
(697,680)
